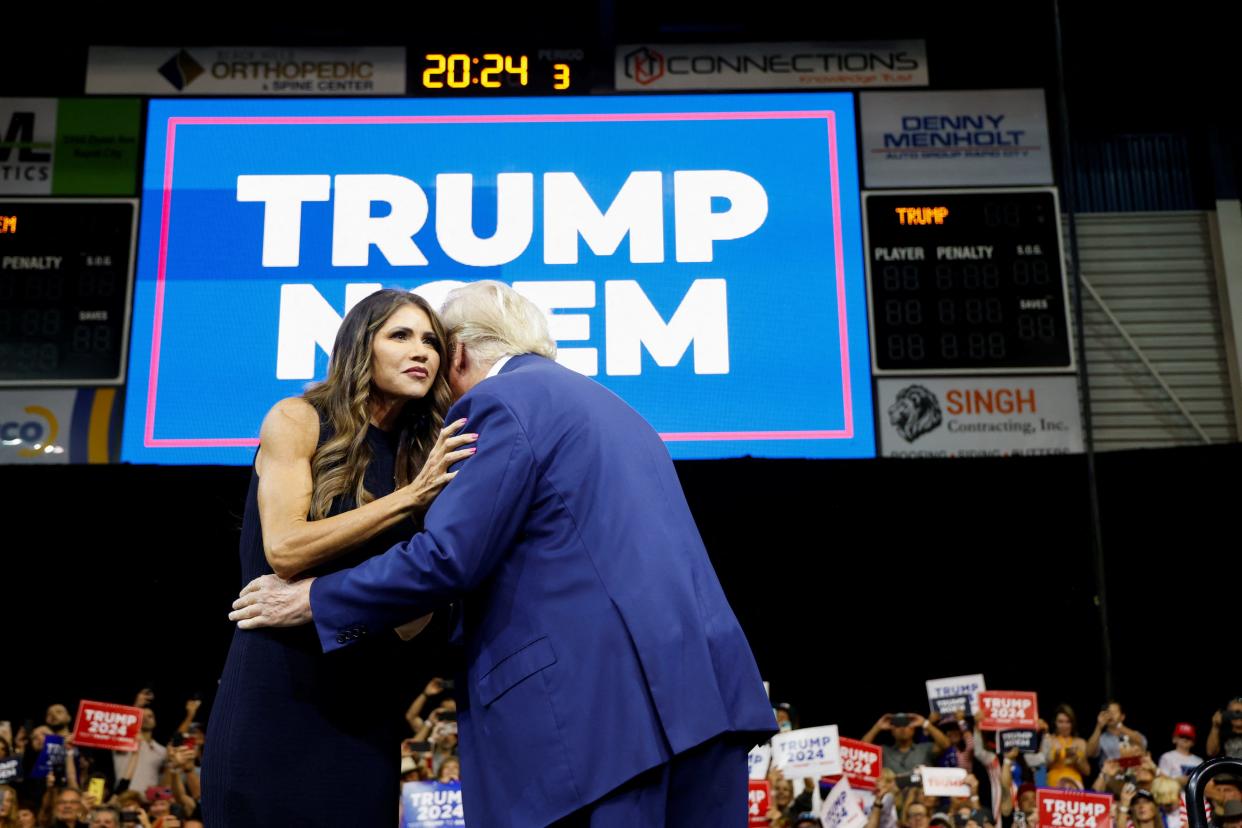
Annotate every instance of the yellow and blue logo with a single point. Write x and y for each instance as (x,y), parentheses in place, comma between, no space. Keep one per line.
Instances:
(36,436)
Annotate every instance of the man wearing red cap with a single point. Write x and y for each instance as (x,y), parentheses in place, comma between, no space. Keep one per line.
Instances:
(1179,762)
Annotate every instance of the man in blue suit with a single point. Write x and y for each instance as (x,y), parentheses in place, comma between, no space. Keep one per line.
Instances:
(608,682)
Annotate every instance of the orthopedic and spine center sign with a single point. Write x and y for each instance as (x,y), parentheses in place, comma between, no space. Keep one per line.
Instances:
(700,256)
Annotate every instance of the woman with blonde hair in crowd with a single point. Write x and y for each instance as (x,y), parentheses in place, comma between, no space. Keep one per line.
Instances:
(8,806)
(1168,795)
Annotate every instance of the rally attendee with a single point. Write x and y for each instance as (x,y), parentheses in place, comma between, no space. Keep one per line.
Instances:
(1111,733)
(1137,809)
(8,806)
(917,815)
(1028,803)
(1225,737)
(1064,752)
(905,754)
(148,768)
(105,818)
(1167,793)
(886,806)
(960,752)
(65,809)
(1179,762)
(450,771)
(414,715)
(779,815)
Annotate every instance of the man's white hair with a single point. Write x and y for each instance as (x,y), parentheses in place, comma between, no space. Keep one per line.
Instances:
(492,320)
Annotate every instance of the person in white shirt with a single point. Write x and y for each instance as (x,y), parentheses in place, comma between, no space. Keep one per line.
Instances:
(149,765)
(1179,762)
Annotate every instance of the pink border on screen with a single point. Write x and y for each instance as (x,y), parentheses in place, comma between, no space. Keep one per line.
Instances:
(149,439)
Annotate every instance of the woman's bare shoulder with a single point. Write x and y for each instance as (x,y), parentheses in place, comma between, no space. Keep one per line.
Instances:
(291,425)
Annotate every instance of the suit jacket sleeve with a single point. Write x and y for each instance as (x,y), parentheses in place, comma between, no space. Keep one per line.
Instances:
(471,525)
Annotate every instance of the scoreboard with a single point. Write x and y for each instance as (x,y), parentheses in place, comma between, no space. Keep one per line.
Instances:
(966,282)
(65,275)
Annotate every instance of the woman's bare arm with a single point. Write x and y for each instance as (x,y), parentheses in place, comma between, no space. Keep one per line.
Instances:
(293,544)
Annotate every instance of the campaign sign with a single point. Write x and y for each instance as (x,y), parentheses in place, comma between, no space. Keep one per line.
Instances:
(1026,741)
(10,770)
(861,764)
(1008,710)
(1060,808)
(951,705)
(108,726)
(759,759)
(810,751)
(51,758)
(944,781)
(431,805)
(684,247)
(760,802)
(943,688)
(843,808)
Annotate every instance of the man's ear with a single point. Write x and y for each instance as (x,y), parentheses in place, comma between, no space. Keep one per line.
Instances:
(461,360)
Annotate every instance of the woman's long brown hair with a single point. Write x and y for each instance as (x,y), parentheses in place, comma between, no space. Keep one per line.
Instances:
(339,465)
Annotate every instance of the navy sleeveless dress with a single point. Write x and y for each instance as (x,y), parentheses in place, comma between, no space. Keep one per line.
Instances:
(300,738)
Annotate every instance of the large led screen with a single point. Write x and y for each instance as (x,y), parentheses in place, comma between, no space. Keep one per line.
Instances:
(698,255)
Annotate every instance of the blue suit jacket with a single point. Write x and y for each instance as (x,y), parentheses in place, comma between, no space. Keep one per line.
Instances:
(598,641)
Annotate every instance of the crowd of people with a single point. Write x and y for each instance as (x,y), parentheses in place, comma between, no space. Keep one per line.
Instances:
(59,785)
(1144,778)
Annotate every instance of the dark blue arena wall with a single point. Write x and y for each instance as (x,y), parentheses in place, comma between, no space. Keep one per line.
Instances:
(854,580)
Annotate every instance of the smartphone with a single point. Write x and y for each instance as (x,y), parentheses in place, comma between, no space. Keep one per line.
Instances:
(448,684)
(448,716)
(418,747)
(1130,761)
(901,720)
(190,742)
(96,788)
(128,817)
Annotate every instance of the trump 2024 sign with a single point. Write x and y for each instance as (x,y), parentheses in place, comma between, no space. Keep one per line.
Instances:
(698,255)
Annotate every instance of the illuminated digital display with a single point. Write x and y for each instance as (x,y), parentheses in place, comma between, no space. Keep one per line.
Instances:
(921,215)
(683,247)
(64,290)
(540,72)
(966,282)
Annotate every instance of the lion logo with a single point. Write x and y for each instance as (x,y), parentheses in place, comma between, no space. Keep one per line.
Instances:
(916,412)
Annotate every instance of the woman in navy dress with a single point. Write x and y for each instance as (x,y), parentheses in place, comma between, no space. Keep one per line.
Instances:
(299,738)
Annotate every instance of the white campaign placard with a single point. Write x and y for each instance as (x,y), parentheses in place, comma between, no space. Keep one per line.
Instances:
(759,759)
(245,70)
(944,781)
(955,138)
(957,686)
(650,67)
(811,751)
(843,808)
(1011,416)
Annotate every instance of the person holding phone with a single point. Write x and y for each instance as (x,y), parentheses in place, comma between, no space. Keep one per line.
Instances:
(905,754)
(341,474)
(1111,733)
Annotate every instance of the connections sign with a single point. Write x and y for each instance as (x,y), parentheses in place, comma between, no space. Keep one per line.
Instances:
(700,256)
